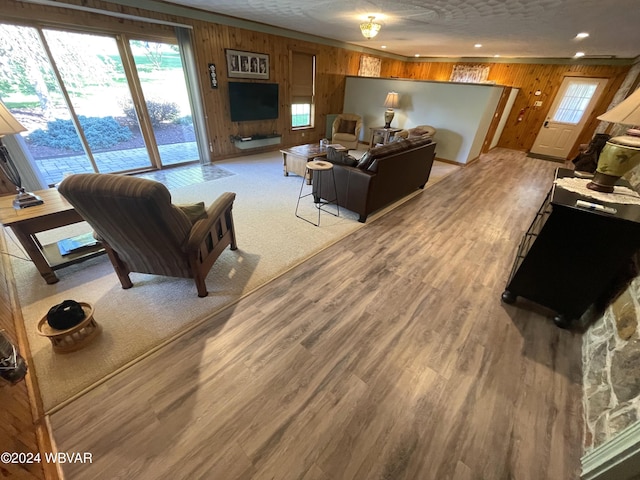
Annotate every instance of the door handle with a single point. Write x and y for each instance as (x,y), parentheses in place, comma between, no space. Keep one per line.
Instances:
(546,124)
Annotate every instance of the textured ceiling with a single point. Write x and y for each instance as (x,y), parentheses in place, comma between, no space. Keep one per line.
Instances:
(450,28)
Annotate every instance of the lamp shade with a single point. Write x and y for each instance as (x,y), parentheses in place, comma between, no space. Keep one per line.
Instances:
(8,124)
(626,112)
(392,100)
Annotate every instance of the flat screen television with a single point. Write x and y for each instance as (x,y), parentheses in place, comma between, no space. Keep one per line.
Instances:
(253,101)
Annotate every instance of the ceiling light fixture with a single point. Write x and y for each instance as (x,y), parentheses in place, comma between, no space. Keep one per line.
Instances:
(582,35)
(383,46)
(417,55)
(478,45)
(370,29)
(579,54)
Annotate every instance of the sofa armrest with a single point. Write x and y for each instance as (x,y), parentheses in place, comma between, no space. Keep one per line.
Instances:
(353,187)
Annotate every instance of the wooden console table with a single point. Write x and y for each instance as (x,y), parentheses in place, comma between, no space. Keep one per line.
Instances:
(570,256)
(26,222)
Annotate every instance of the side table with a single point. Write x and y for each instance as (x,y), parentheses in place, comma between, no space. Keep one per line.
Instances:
(319,166)
(385,133)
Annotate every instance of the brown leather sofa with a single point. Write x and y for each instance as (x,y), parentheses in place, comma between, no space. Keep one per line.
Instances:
(383,175)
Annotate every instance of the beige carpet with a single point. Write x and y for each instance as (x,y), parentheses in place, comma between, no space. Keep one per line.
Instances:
(140,320)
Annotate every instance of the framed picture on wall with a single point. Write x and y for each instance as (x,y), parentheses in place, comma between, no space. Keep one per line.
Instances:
(247,64)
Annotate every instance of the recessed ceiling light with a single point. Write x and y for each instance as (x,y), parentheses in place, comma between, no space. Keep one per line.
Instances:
(579,54)
(582,35)
(496,55)
(478,45)
(417,55)
(383,46)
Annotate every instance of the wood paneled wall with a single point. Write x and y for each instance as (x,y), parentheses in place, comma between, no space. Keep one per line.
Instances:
(21,428)
(210,40)
(520,135)
(333,64)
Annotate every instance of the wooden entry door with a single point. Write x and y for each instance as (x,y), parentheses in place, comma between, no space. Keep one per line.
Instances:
(568,114)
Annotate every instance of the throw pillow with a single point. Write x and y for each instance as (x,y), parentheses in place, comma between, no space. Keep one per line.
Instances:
(365,161)
(342,158)
(195,211)
(347,126)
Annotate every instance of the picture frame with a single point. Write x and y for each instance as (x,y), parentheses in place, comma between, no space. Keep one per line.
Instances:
(247,64)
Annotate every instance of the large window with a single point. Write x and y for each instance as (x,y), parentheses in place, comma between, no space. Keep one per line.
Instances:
(96,102)
(302,89)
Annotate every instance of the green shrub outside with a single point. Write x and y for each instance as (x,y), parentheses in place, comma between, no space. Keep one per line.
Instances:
(101,133)
(159,112)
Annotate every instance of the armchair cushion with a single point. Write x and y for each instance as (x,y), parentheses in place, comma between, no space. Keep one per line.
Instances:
(194,211)
(422,131)
(343,122)
(347,126)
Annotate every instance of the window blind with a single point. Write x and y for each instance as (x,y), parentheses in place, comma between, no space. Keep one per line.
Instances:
(302,77)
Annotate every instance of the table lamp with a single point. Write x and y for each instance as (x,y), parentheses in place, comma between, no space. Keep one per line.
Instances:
(390,102)
(10,126)
(620,154)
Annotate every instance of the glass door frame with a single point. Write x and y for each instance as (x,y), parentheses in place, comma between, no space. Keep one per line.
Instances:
(122,40)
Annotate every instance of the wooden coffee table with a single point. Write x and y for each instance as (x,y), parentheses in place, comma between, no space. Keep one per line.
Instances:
(295,159)
(26,222)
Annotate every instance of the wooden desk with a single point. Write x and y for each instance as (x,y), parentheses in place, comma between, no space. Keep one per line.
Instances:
(25,223)
(385,133)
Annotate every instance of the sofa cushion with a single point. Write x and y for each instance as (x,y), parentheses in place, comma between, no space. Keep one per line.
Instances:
(340,157)
(368,160)
(347,126)
(414,142)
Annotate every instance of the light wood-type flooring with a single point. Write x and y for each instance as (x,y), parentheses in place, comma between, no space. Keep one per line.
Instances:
(387,356)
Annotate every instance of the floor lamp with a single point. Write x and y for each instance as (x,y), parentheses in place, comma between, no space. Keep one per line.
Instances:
(10,126)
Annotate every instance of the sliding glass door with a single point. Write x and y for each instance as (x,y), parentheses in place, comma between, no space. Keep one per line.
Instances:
(95,102)
(159,69)
(99,95)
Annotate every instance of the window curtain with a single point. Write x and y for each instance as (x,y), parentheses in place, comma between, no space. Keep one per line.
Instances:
(193,86)
(469,74)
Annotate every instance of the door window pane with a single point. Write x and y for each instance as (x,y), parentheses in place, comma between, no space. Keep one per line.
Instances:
(164,88)
(574,103)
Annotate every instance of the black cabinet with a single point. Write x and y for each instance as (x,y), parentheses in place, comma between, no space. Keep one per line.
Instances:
(569,256)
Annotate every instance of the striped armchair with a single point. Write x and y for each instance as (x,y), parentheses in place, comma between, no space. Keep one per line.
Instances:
(142,231)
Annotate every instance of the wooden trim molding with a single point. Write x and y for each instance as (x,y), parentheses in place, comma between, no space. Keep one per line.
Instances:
(617,459)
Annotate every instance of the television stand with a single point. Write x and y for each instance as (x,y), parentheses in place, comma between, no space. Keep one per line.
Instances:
(256,141)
